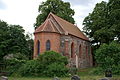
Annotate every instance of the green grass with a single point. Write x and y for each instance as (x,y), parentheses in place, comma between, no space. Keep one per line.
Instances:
(82,78)
(83,73)
(36,78)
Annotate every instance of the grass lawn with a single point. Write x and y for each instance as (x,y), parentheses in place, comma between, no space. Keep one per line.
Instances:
(82,78)
(35,78)
(83,73)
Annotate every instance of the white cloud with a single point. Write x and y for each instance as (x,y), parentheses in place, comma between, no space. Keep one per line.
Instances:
(24,12)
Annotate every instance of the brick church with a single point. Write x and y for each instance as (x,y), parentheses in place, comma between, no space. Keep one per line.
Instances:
(59,35)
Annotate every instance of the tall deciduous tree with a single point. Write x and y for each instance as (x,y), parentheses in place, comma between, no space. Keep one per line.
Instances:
(103,24)
(114,17)
(58,7)
(4,39)
(95,24)
(13,41)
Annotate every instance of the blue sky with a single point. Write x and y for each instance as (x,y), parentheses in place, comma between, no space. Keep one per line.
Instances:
(24,12)
(79,2)
(2,5)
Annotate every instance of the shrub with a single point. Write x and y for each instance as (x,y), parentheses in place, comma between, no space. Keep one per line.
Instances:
(48,64)
(108,57)
(57,69)
(50,57)
(30,68)
(12,65)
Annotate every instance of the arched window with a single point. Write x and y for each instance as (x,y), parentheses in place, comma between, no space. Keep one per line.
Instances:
(38,47)
(80,51)
(48,45)
(72,50)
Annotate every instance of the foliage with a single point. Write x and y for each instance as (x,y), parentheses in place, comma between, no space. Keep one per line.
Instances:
(4,38)
(108,57)
(48,64)
(58,7)
(114,18)
(30,68)
(30,44)
(50,57)
(102,25)
(13,40)
(57,69)
(12,65)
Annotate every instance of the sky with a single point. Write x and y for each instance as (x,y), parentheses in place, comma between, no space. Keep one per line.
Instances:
(24,12)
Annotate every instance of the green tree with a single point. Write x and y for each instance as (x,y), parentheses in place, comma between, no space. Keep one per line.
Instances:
(30,43)
(114,17)
(4,39)
(18,41)
(58,7)
(108,57)
(13,41)
(102,25)
(95,24)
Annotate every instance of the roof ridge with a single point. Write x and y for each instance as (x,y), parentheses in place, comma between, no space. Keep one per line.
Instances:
(54,25)
(57,21)
(63,19)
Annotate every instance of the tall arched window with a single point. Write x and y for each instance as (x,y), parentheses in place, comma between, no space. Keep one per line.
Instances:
(80,51)
(72,50)
(48,45)
(38,47)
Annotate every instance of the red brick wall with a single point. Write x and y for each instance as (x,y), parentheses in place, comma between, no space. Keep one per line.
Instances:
(43,37)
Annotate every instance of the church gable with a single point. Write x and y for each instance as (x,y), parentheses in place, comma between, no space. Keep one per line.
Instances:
(50,25)
(47,26)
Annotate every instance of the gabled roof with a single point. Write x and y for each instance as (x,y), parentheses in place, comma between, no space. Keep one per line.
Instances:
(47,26)
(56,24)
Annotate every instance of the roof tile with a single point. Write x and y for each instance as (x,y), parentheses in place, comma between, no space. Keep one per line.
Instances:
(68,27)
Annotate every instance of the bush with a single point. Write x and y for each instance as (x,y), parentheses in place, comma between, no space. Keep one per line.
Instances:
(50,57)
(57,69)
(48,64)
(12,65)
(108,57)
(30,68)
